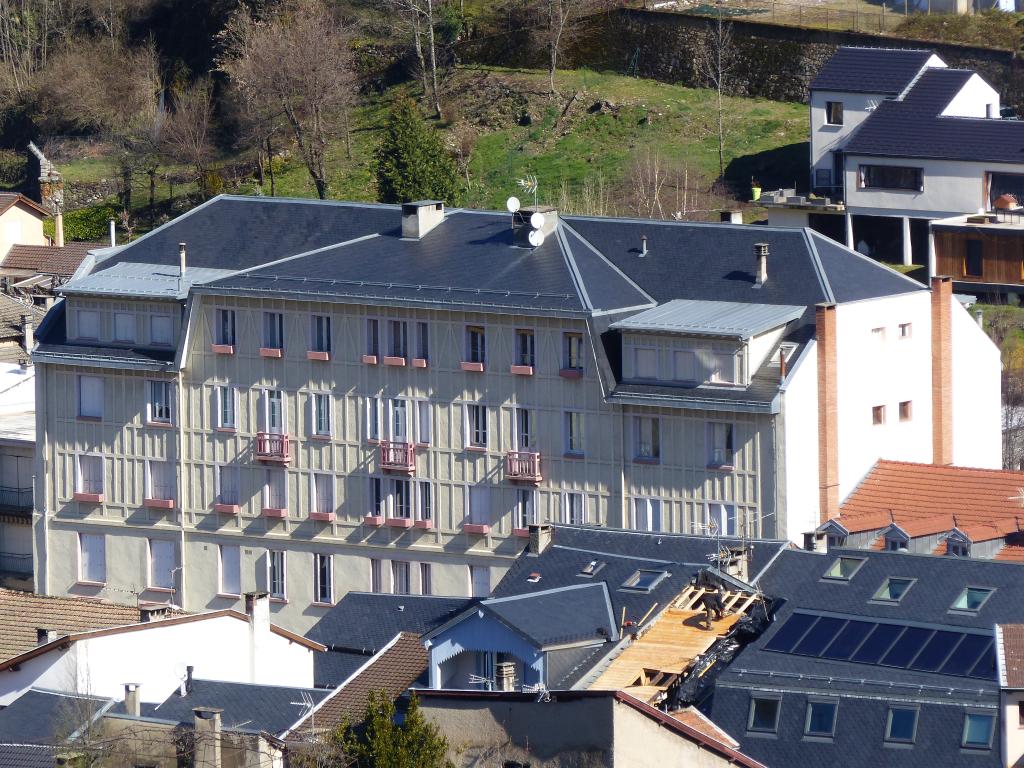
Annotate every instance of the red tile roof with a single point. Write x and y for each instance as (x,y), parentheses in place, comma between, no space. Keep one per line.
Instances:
(9,199)
(1013,553)
(697,720)
(926,499)
(47,259)
(1011,651)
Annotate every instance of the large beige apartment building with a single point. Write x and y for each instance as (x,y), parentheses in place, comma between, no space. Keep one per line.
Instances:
(316,397)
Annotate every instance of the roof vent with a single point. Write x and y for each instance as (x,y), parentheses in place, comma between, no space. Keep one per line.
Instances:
(761,264)
(420,217)
(148,613)
(533,578)
(643,245)
(44,635)
(591,568)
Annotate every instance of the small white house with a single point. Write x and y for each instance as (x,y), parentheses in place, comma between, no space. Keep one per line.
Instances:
(159,654)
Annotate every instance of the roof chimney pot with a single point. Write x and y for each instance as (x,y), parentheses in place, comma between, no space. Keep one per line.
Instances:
(27,332)
(182,253)
(761,260)
(643,245)
(420,217)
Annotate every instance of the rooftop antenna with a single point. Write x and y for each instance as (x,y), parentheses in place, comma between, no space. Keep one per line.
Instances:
(529,185)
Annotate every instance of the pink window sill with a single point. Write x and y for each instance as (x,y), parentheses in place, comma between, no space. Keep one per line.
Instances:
(419,362)
(279,600)
(226,430)
(94,498)
(227,509)
(521,533)
(374,521)
(275,512)
(476,528)
(571,373)
(398,362)
(370,359)
(322,605)
(315,355)
(159,424)
(222,349)
(425,525)
(160,503)
(399,522)
(475,367)
(476,449)
(323,438)
(227,596)
(323,517)
(522,370)
(270,352)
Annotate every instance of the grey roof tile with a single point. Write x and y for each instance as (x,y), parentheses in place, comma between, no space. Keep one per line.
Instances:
(27,756)
(568,614)
(886,71)
(45,717)
(733,319)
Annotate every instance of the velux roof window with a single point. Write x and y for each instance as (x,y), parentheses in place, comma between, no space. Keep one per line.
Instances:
(644,580)
(893,589)
(971,599)
(844,568)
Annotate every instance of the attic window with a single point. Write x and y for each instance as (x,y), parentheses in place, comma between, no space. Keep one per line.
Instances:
(893,589)
(844,568)
(591,568)
(644,580)
(958,547)
(972,599)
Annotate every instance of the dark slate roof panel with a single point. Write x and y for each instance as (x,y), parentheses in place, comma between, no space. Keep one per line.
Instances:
(332,668)
(854,277)
(366,621)
(251,708)
(870,70)
(45,717)
(27,756)
(555,616)
(606,287)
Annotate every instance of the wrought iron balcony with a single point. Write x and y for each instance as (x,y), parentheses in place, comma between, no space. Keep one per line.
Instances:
(523,466)
(272,447)
(397,457)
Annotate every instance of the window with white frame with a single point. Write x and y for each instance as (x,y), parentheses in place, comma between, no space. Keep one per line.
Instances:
(424,423)
(479,580)
(401,498)
(684,364)
(372,337)
(574,433)
(323,493)
(522,428)
(227,407)
(524,347)
(424,500)
(647,515)
(721,518)
(476,425)
(273,330)
(376,575)
(526,508)
(572,351)
(426,587)
(323,578)
(89,475)
(400,577)
(162,564)
(88,324)
(277,573)
(275,490)
(574,508)
(160,480)
(224,327)
(227,481)
(230,560)
(373,418)
(321,403)
(92,558)
(722,365)
(645,363)
(320,333)
(479,498)
(161,330)
(398,423)
(398,338)
(476,344)
(720,444)
(378,502)
(124,327)
(274,414)
(646,438)
(90,397)
(422,341)
(159,402)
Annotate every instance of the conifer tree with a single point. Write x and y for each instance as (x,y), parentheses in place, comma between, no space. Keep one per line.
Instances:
(412,163)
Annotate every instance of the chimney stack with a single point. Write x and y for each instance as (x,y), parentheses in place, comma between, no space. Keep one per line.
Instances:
(206,725)
(942,370)
(58,228)
(27,332)
(257,607)
(828,412)
(113,233)
(182,252)
(186,685)
(761,264)
(730,216)
(44,636)
(132,706)
(420,217)
(540,538)
(148,613)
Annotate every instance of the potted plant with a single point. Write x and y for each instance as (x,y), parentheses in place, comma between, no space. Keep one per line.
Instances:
(755,190)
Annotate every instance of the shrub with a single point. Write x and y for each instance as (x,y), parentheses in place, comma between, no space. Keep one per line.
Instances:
(92,223)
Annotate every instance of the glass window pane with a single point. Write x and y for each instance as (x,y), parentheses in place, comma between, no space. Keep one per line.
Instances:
(907,647)
(789,633)
(844,568)
(848,639)
(893,589)
(820,636)
(936,651)
(971,599)
(902,724)
(877,643)
(977,730)
(821,718)
(764,714)
(966,655)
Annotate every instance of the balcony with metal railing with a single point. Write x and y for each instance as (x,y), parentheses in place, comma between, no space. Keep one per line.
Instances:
(523,466)
(16,498)
(16,564)
(272,447)
(398,457)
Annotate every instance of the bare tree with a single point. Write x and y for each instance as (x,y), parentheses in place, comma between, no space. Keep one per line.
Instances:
(297,62)
(715,58)
(559,19)
(648,178)
(186,136)
(417,21)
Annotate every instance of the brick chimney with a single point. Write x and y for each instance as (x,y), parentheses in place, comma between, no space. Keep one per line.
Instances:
(206,724)
(540,539)
(828,413)
(942,370)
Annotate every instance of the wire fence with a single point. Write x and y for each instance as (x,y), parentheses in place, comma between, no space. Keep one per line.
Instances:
(860,18)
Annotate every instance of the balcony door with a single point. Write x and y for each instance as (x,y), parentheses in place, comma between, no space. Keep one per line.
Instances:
(274,404)
(400,421)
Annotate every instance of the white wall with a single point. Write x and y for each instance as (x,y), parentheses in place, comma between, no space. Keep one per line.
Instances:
(973,100)
(20,225)
(977,397)
(800,422)
(17,388)
(825,138)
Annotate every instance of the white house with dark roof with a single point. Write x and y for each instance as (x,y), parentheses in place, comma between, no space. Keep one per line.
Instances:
(312,397)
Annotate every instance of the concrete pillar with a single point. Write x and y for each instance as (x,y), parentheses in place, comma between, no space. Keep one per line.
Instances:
(908,247)
(849,230)
(207,725)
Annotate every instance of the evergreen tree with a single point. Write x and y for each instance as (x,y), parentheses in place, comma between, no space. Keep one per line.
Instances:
(412,163)
(381,743)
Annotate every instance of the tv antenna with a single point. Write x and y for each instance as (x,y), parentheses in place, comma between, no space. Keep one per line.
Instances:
(529,185)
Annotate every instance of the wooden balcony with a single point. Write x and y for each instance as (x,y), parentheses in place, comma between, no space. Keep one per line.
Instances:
(398,457)
(272,447)
(522,466)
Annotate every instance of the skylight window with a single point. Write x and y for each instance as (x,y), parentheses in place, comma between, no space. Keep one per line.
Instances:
(821,718)
(764,715)
(971,599)
(591,568)
(844,568)
(901,725)
(977,730)
(644,580)
(893,589)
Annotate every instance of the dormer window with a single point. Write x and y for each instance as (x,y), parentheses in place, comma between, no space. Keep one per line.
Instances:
(645,363)
(836,540)
(957,546)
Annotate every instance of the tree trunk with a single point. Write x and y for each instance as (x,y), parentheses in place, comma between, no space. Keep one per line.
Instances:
(348,134)
(152,196)
(433,57)
(418,45)
(259,165)
(721,136)
(270,169)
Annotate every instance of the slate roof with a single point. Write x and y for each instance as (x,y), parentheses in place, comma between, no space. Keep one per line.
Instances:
(11,312)
(21,613)
(26,756)
(247,707)
(711,318)
(915,127)
(46,717)
(885,71)
(332,668)
(47,259)
(570,614)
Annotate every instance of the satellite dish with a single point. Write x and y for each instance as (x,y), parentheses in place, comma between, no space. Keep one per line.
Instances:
(537,220)
(536,237)
(512,204)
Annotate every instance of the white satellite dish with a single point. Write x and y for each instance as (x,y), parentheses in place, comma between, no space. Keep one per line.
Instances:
(536,237)
(537,220)
(512,204)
